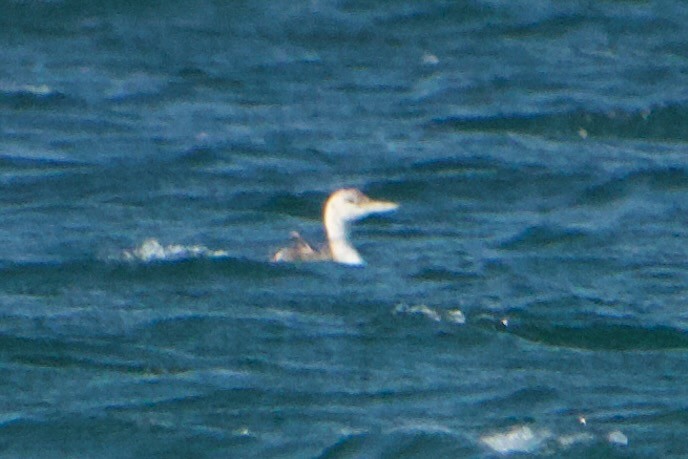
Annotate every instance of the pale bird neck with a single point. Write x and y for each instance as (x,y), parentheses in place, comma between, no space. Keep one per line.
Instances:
(337,230)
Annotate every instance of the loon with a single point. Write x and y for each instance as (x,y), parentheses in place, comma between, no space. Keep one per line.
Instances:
(343,207)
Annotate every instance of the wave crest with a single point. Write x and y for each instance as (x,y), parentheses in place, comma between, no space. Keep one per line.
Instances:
(664,122)
(152,250)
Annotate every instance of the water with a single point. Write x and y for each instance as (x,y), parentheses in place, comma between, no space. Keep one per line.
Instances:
(529,296)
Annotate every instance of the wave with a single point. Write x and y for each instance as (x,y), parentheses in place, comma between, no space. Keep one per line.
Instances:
(454,316)
(520,439)
(35,162)
(100,433)
(22,97)
(528,440)
(617,188)
(139,87)
(405,442)
(152,250)
(603,336)
(446,275)
(544,236)
(52,277)
(666,122)
(417,440)
(84,353)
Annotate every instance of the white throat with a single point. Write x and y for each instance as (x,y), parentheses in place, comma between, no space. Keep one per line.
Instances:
(337,229)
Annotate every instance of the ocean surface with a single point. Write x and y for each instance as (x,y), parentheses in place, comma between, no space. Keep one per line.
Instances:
(529,296)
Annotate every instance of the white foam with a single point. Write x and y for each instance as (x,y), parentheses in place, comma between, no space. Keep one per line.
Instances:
(153,250)
(519,439)
(617,437)
(37,90)
(455,316)
(242,432)
(567,441)
(420,309)
(430,59)
(524,439)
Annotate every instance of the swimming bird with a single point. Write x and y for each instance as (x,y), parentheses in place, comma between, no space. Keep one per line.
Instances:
(342,208)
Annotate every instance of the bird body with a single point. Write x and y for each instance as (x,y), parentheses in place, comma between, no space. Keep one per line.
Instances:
(342,208)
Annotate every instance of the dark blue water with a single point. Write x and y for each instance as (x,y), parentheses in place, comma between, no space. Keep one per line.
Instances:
(529,296)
